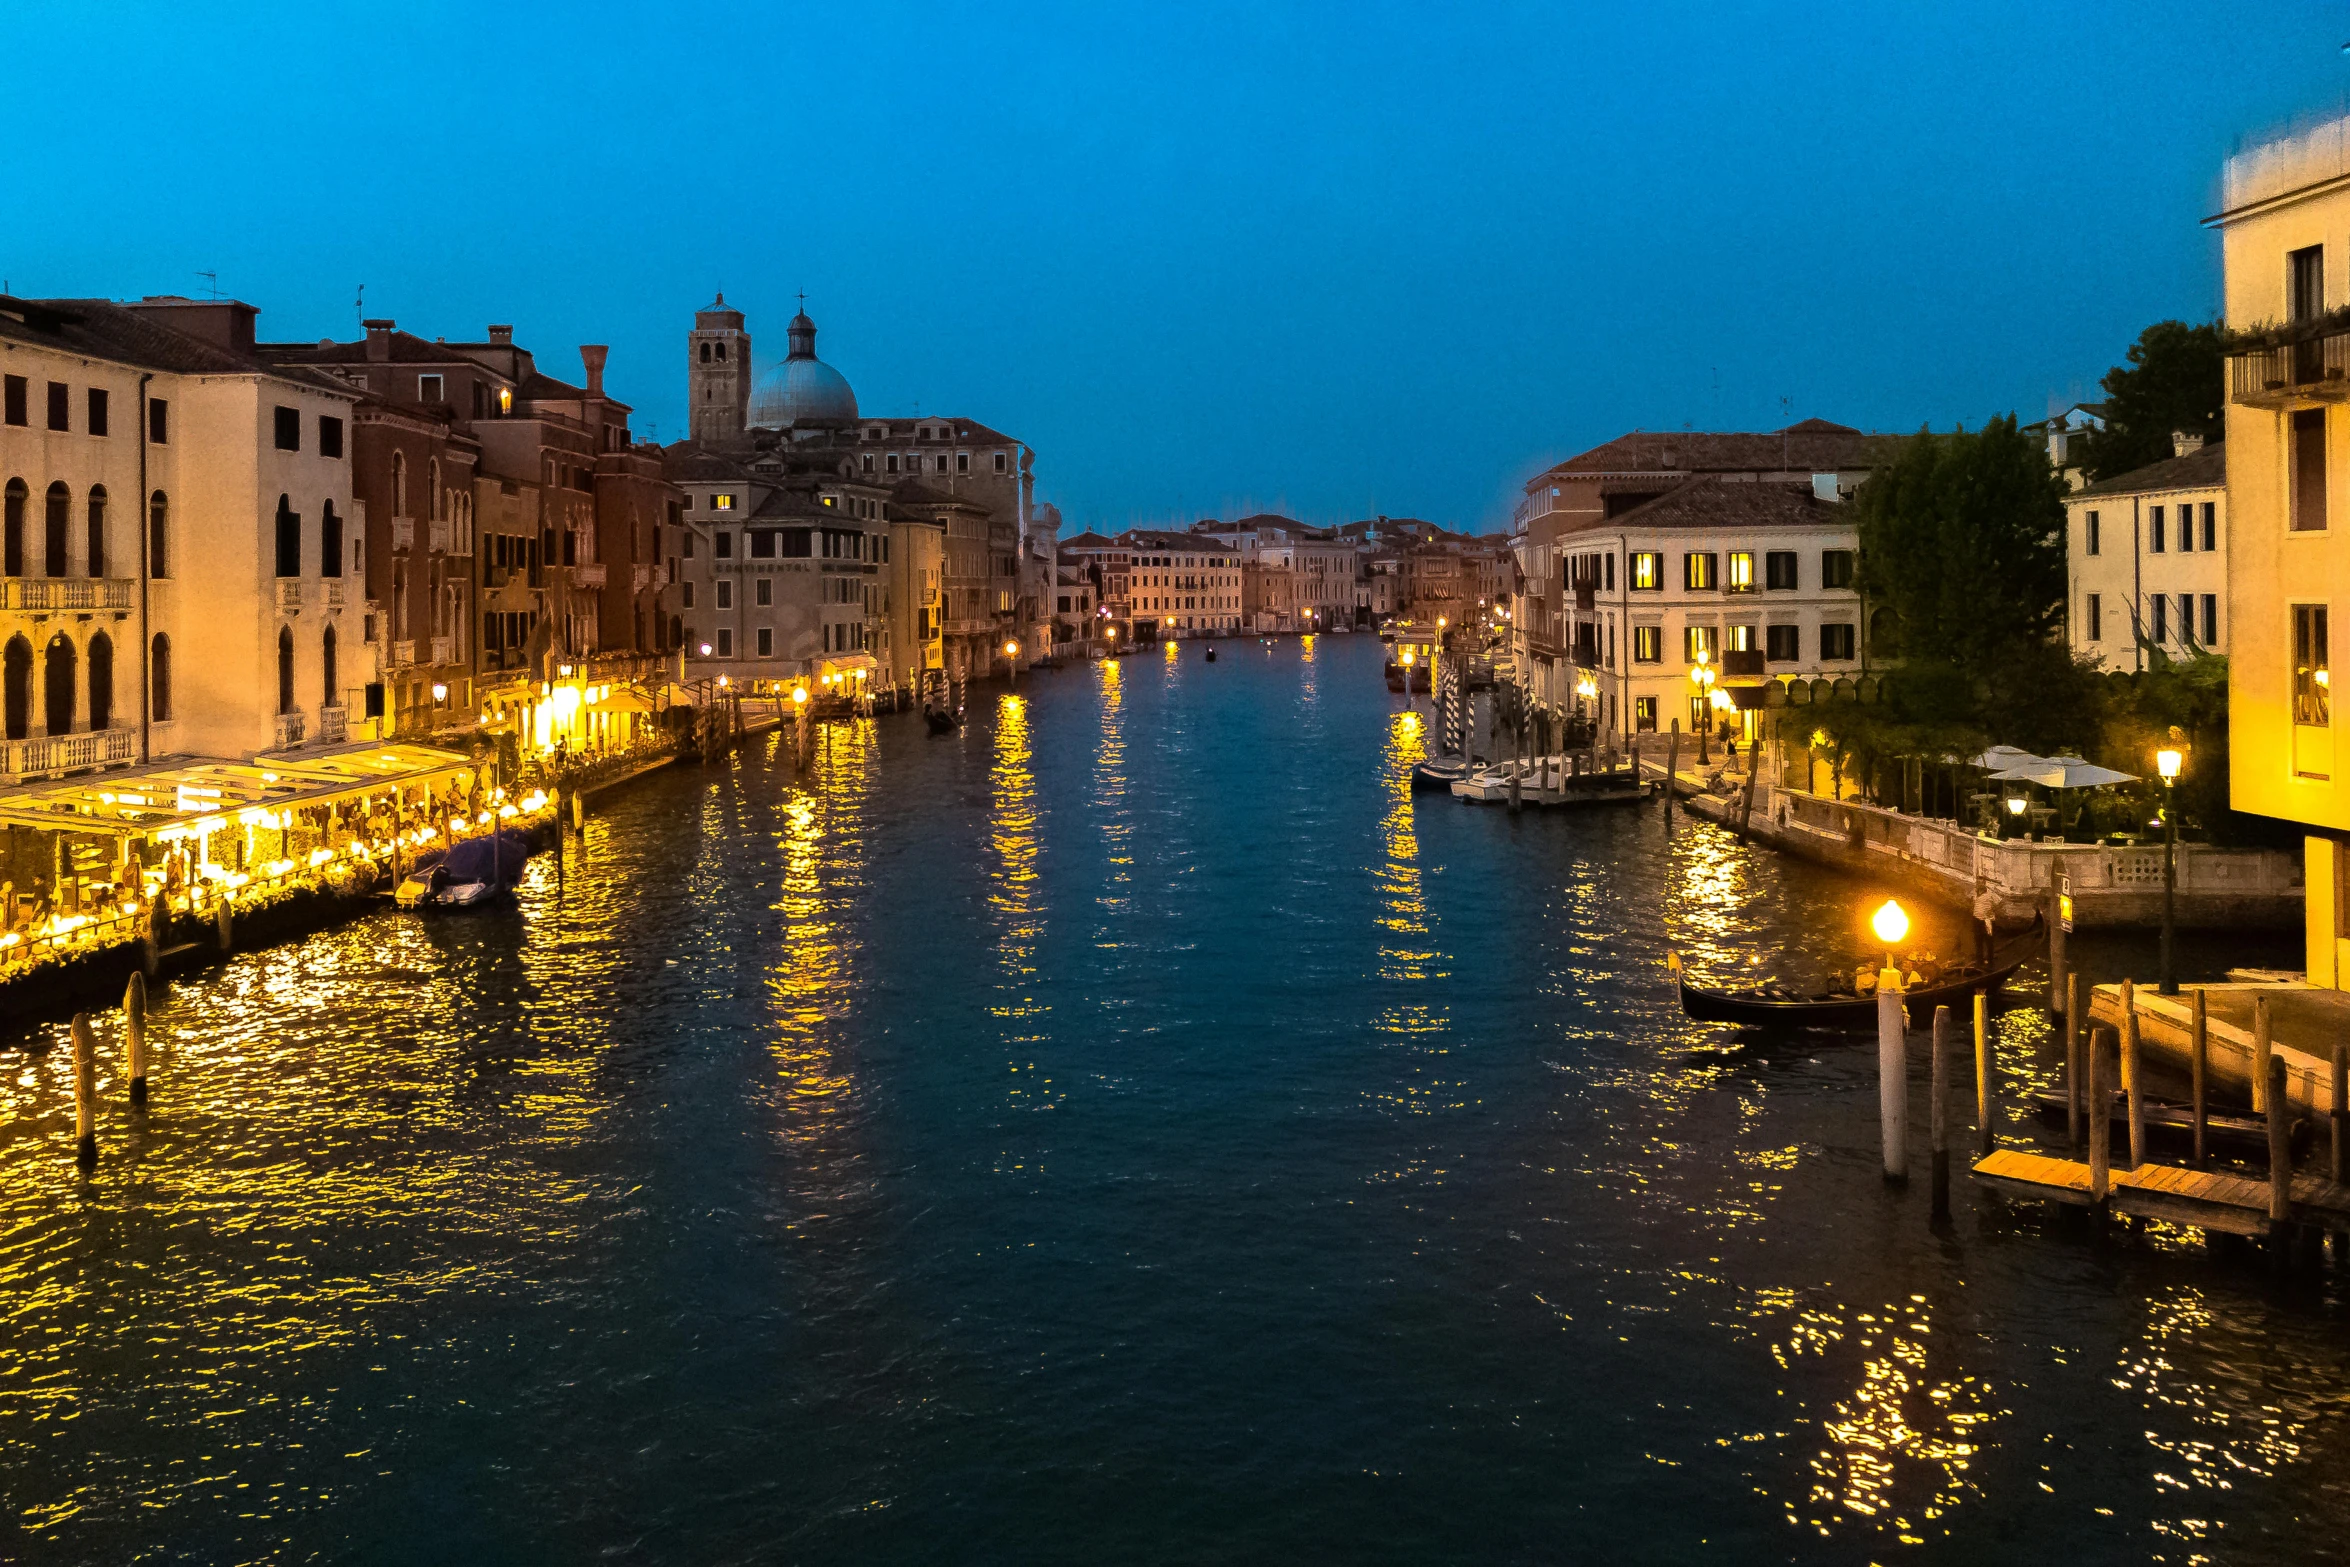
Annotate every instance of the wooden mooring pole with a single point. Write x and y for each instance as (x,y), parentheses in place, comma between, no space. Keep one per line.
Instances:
(1986,1088)
(134,1029)
(85,1092)
(2280,1143)
(222,920)
(2133,1085)
(1672,765)
(2337,1119)
(2260,1051)
(2059,996)
(1893,1074)
(2075,1030)
(2100,1117)
(2199,1069)
(1941,1113)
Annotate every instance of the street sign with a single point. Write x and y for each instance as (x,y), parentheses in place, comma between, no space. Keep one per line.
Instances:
(2064,902)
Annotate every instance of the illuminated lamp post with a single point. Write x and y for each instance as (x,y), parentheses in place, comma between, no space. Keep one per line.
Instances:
(1012,657)
(1702,677)
(2167,762)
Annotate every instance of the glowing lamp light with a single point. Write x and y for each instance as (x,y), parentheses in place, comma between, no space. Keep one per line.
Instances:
(1890,924)
(1819,739)
(2167,762)
(2016,804)
(705,650)
(440,692)
(799,694)
(1011,650)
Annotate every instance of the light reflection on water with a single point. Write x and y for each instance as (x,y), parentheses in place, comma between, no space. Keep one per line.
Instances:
(1133,1129)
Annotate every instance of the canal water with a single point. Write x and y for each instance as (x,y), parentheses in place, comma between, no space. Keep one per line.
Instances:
(1134,1130)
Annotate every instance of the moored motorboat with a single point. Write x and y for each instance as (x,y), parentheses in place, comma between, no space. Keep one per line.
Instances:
(468,874)
(1437,774)
(1774,1006)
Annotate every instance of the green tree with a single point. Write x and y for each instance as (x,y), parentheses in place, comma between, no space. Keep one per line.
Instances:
(2176,380)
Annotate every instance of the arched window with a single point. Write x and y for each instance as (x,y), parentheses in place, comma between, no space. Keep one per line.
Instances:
(285,669)
(101,681)
(159,535)
(16,675)
(97,555)
(289,539)
(12,550)
(328,686)
(57,685)
(330,542)
(400,484)
(60,527)
(159,679)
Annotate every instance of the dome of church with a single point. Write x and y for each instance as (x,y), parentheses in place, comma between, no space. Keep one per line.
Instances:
(803,391)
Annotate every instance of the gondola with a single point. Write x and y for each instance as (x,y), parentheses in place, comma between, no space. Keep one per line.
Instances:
(943,720)
(2168,1121)
(1774,1007)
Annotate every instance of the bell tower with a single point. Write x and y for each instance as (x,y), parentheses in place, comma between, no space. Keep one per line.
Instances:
(718,374)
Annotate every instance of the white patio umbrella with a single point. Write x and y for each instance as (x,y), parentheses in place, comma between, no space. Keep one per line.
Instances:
(2001,757)
(2063,772)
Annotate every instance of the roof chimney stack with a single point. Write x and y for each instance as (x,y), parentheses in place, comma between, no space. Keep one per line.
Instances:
(379,339)
(502,336)
(2184,445)
(592,356)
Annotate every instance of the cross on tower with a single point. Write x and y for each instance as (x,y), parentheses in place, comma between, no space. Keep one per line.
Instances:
(803,301)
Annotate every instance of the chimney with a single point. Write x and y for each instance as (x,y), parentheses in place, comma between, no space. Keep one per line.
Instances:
(592,356)
(2058,440)
(2184,445)
(502,336)
(379,340)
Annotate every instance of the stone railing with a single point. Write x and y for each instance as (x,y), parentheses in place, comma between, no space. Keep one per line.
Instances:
(333,724)
(404,652)
(334,592)
(403,533)
(2112,884)
(289,593)
(49,754)
(290,730)
(590,575)
(440,649)
(55,593)
(437,537)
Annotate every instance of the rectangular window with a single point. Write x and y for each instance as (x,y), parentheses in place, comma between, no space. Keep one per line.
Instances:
(766,639)
(1697,707)
(687,504)
(763,593)
(725,594)
(2305,282)
(2210,525)
(892,462)
(962,462)
(1648,645)
(762,543)
(60,401)
(1783,644)
(289,544)
(97,410)
(1644,714)
(2309,470)
(1700,642)
(2154,530)
(1608,565)
(13,399)
(1001,465)
(686,552)
(2313,701)
(158,421)
(1836,570)
(1738,639)
(686,591)
(330,436)
(289,429)
(722,502)
(2186,617)
(2093,615)
(722,544)
(1741,577)
(2158,618)
(1779,570)
(2211,620)
(1698,571)
(1836,643)
(725,642)
(428,389)
(2090,531)
(1648,572)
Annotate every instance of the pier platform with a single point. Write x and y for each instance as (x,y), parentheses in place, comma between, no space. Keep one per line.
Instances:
(2304,1022)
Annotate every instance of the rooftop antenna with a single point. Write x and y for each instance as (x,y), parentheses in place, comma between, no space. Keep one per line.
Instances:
(359,304)
(211,284)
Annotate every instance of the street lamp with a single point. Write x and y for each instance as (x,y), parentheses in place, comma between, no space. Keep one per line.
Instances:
(1891,923)
(2167,762)
(1702,677)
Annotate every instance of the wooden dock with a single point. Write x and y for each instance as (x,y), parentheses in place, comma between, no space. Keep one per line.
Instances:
(2207,1199)
(2036,1177)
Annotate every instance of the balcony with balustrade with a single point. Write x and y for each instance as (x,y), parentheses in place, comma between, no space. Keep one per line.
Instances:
(49,756)
(289,595)
(2306,362)
(333,724)
(403,535)
(438,535)
(590,575)
(291,728)
(441,649)
(404,652)
(50,595)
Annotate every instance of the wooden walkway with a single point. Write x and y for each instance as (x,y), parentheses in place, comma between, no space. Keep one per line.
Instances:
(2207,1199)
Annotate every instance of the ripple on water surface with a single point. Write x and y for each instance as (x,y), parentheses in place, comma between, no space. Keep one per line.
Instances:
(1134,1128)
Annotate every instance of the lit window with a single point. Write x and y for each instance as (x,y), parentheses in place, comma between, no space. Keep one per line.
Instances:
(1741,578)
(722,502)
(1648,572)
(2313,701)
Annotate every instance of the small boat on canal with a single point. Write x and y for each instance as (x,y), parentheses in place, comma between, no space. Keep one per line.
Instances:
(1211,655)
(1775,1006)
(1566,790)
(943,720)
(467,875)
(2171,1122)
(1437,774)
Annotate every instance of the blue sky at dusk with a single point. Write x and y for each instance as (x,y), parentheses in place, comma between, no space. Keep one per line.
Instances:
(1335,261)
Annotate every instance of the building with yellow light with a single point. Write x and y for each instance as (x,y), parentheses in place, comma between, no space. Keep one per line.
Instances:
(2283,221)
